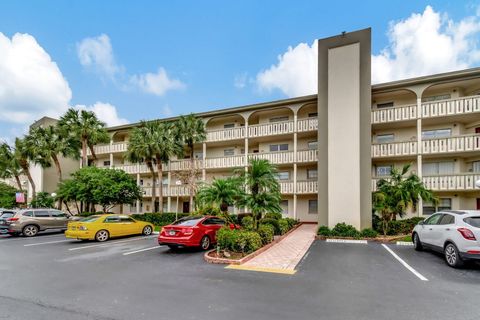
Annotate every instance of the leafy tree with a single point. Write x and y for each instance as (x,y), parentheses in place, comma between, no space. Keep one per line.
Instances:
(396,194)
(43,200)
(221,192)
(9,165)
(262,189)
(84,127)
(7,196)
(105,187)
(24,154)
(189,131)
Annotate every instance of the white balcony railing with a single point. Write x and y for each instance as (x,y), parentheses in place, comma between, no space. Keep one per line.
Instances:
(462,143)
(225,162)
(168,191)
(463,105)
(309,186)
(270,129)
(286,187)
(445,182)
(400,113)
(394,149)
(226,134)
(109,148)
(310,124)
(282,157)
(307,155)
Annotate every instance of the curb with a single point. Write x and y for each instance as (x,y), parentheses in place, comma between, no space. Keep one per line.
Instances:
(346,241)
(250,256)
(380,240)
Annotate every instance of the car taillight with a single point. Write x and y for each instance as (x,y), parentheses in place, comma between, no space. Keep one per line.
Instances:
(12,219)
(467,233)
(188,231)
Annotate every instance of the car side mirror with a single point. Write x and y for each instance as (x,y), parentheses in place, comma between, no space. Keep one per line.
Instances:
(421,223)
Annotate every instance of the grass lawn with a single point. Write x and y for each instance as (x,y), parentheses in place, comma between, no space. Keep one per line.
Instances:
(406,239)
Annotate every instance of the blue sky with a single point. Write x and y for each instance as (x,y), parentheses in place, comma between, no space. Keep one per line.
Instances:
(202,55)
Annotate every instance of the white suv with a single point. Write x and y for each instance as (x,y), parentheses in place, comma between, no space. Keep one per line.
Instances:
(455,233)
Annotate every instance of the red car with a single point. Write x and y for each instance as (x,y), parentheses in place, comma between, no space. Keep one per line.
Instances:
(194,231)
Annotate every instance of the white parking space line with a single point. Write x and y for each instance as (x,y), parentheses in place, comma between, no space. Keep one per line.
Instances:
(406,265)
(108,243)
(141,250)
(8,239)
(42,243)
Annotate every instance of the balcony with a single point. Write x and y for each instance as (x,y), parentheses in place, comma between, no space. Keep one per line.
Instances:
(446,182)
(441,108)
(282,157)
(172,191)
(464,143)
(109,148)
(394,149)
(225,134)
(310,124)
(270,129)
(225,162)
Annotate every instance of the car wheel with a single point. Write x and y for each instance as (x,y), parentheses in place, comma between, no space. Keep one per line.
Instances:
(147,231)
(452,256)
(417,244)
(30,230)
(205,242)
(102,236)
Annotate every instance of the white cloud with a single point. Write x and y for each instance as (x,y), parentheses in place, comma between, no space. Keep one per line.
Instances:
(425,44)
(31,84)
(421,44)
(240,80)
(97,53)
(156,83)
(295,74)
(105,112)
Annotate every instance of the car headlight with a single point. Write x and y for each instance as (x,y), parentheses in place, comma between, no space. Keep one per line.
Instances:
(82,228)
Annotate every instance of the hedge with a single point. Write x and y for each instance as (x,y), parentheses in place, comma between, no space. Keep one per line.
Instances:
(238,240)
(159,219)
(396,227)
(266,232)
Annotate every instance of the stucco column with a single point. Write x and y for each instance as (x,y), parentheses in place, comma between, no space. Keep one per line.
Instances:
(419,150)
(204,157)
(111,160)
(246,144)
(169,186)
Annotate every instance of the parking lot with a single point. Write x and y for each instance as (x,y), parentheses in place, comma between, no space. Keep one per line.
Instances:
(49,277)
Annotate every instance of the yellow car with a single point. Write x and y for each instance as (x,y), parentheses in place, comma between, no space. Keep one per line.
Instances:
(106,226)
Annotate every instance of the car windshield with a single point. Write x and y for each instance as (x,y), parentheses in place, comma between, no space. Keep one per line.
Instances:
(6,215)
(187,221)
(473,221)
(90,219)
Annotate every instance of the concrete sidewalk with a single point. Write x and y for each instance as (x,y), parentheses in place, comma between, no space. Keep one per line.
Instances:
(284,256)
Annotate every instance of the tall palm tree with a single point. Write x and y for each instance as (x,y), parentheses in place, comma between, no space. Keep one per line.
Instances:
(221,192)
(25,154)
(9,165)
(86,128)
(142,148)
(50,144)
(399,192)
(165,147)
(262,189)
(191,130)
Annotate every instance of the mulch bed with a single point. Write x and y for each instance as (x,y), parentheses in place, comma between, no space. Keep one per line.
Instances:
(382,239)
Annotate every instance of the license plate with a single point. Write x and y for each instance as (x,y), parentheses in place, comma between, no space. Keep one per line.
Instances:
(171,233)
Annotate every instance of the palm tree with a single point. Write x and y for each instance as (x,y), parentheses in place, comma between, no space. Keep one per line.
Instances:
(398,193)
(142,148)
(9,165)
(86,128)
(189,131)
(262,189)
(165,147)
(50,143)
(25,154)
(221,192)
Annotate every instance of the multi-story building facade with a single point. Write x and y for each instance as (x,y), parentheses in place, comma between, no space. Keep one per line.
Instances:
(431,122)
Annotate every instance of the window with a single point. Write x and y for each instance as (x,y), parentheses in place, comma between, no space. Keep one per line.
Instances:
(213,221)
(473,221)
(433,168)
(41,214)
(28,214)
(312,174)
(283,175)
(229,125)
(106,163)
(312,206)
(433,219)
(312,145)
(141,182)
(229,152)
(112,219)
(126,220)
(58,214)
(383,171)
(447,219)
(279,147)
(198,155)
(437,133)
(444,204)
(385,138)
(278,119)
(284,206)
(313,114)
(437,97)
(384,105)
(476,166)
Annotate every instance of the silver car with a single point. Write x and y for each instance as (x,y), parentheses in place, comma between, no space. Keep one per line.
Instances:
(31,221)
(455,233)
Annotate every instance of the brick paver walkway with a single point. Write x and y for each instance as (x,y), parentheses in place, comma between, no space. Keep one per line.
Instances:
(286,254)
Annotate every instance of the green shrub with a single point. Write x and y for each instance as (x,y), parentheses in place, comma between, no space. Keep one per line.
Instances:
(368,233)
(209,211)
(247,223)
(158,219)
(266,232)
(404,226)
(324,231)
(238,240)
(274,223)
(291,222)
(283,225)
(345,230)
(272,215)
